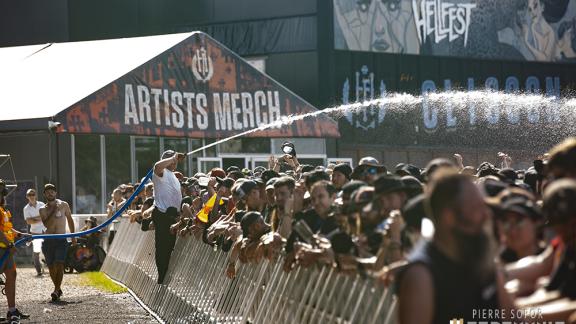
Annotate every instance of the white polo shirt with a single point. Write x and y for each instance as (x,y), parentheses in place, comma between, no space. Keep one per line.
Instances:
(167,191)
(31,211)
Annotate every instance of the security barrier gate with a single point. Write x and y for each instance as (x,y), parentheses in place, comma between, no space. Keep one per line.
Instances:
(196,289)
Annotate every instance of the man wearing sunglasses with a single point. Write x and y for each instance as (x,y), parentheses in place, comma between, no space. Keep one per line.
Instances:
(368,170)
(32,217)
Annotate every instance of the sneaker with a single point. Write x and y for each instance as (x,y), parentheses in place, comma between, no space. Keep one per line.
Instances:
(20,314)
(54,295)
(12,318)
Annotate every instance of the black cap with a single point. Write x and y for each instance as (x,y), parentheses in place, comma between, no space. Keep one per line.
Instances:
(360,198)
(508,175)
(493,187)
(268,174)
(225,182)
(349,188)
(245,187)
(386,184)
(414,211)
(486,169)
(232,169)
(343,168)
(270,183)
(49,186)
(560,201)
(306,168)
(412,170)
(522,205)
(413,186)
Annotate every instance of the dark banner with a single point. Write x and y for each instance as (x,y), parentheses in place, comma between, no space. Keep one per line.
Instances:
(527,30)
(261,37)
(425,115)
(199,89)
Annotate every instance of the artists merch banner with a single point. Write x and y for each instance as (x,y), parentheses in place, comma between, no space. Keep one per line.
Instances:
(198,88)
(530,30)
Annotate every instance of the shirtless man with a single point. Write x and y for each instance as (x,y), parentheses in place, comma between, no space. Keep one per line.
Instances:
(54,216)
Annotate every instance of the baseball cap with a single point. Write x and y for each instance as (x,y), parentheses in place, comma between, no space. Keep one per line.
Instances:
(414,211)
(225,182)
(386,184)
(245,187)
(560,201)
(270,183)
(350,187)
(232,168)
(360,198)
(203,181)
(305,168)
(259,169)
(522,205)
(508,175)
(413,186)
(168,154)
(409,170)
(218,173)
(49,186)
(268,174)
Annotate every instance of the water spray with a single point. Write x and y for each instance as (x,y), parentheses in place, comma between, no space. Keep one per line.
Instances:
(563,109)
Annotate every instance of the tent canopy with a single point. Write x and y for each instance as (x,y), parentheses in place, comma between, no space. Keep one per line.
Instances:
(171,85)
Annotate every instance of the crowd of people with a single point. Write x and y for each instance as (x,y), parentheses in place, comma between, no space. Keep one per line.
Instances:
(450,238)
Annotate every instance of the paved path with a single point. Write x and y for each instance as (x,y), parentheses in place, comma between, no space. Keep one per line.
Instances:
(80,304)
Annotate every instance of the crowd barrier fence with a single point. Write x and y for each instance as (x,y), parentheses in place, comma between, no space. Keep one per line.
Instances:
(196,289)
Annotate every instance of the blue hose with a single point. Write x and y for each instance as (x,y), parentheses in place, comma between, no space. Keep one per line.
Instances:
(86,232)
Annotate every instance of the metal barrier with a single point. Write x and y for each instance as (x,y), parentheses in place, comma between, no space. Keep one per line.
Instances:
(196,289)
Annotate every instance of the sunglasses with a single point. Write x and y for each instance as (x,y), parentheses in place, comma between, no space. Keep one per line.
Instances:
(371,171)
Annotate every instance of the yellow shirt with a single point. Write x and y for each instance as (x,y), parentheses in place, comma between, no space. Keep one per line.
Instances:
(6,226)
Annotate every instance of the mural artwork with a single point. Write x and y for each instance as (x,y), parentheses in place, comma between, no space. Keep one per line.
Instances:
(531,30)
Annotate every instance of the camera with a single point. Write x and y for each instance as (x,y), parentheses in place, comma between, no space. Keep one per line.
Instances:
(288,148)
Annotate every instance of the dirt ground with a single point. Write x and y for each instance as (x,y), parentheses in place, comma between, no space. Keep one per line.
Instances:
(79,304)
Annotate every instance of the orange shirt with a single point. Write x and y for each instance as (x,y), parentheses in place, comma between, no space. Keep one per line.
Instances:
(6,226)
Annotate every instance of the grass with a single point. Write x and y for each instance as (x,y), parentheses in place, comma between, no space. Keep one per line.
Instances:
(99,281)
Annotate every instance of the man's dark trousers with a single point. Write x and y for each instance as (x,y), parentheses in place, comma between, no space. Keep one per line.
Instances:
(164,239)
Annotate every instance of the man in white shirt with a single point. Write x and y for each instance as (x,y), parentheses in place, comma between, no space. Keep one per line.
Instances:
(32,217)
(167,200)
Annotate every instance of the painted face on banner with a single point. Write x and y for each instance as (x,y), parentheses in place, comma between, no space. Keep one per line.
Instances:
(535,9)
(385,36)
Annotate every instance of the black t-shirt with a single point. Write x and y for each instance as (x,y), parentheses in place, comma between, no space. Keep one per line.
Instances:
(564,277)
(457,289)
